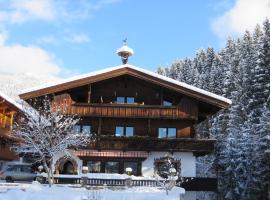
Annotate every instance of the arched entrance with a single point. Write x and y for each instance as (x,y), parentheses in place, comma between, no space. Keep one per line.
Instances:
(68,168)
(66,165)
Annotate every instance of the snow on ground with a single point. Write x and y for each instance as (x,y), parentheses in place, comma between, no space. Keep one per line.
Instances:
(36,191)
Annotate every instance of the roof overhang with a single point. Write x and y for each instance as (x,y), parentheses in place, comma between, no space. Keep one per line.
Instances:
(9,102)
(127,69)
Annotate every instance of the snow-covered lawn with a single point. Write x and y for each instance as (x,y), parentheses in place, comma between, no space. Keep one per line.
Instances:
(36,191)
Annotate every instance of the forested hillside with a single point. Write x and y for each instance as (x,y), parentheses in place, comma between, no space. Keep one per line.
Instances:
(241,72)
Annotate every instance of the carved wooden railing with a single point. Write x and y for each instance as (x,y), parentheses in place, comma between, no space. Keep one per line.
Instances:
(129,110)
(199,146)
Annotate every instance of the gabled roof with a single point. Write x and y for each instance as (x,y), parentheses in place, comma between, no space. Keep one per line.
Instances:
(6,99)
(127,69)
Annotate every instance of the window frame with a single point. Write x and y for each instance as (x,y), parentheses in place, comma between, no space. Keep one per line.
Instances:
(125,131)
(118,167)
(167,102)
(81,128)
(94,161)
(167,132)
(125,100)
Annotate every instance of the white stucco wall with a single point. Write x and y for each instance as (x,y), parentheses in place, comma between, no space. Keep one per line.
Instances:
(190,195)
(188,167)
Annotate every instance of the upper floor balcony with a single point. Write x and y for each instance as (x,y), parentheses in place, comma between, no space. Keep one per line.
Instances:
(131,110)
(197,146)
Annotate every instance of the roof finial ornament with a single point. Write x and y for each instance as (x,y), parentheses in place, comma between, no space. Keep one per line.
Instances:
(124,52)
(125,42)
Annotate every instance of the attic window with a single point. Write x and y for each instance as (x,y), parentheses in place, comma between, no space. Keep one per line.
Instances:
(167,102)
(128,100)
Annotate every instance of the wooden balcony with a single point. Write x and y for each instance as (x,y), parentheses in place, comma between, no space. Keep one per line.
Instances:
(198,146)
(129,110)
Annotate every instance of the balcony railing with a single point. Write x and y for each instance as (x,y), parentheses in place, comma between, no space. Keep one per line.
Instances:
(199,146)
(129,110)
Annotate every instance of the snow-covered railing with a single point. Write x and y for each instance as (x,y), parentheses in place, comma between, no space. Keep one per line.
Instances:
(121,181)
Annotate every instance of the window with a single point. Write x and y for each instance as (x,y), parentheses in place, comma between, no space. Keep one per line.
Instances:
(162,132)
(77,128)
(167,133)
(133,166)
(26,169)
(127,131)
(112,167)
(86,129)
(171,132)
(119,131)
(120,100)
(128,100)
(94,166)
(167,103)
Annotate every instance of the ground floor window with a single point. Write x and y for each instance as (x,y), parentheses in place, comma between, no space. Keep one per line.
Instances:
(94,166)
(133,166)
(117,166)
(112,167)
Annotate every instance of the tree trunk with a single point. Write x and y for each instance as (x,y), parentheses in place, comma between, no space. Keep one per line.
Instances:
(48,170)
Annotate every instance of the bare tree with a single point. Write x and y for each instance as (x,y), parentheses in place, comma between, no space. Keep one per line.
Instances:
(46,131)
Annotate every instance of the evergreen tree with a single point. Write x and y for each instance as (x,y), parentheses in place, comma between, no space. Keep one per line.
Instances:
(241,72)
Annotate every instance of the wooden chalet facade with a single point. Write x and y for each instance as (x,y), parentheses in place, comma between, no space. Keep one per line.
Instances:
(10,112)
(137,116)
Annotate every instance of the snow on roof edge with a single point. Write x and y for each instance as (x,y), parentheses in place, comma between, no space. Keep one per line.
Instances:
(179,83)
(10,100)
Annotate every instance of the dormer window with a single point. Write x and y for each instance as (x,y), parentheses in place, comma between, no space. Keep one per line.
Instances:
(128,100)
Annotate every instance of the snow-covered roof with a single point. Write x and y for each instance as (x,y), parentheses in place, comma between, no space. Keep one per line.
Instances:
(10,100)
(128,66)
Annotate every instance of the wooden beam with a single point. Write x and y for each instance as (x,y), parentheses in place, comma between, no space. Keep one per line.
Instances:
(11,121)
(99,125)
(161,96)
(149,127)
(89,93)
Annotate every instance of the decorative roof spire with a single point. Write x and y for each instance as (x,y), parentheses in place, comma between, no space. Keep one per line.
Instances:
(124,52)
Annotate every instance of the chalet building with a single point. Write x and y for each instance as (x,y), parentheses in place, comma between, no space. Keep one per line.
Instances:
(9,113)
(138,117)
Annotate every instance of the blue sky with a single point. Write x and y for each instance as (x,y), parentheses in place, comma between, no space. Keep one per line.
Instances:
(62,38)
